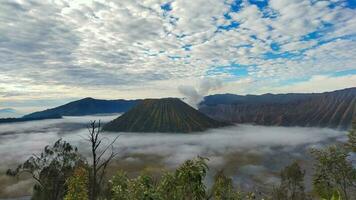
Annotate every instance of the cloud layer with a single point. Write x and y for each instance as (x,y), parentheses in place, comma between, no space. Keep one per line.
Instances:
(248,153)
(33,136)
(132,49)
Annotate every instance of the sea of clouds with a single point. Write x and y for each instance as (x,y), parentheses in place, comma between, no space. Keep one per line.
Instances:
(249,153)
(20,140)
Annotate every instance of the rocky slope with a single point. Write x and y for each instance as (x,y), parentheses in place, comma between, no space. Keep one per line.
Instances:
(330,109)
(162,115)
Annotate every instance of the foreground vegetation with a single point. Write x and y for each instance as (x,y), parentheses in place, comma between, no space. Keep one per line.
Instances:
(62,173)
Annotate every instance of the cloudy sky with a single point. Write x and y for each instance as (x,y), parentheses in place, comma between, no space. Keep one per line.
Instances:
(53,51)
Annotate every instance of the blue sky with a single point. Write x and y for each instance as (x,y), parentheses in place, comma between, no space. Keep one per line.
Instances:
(56,51)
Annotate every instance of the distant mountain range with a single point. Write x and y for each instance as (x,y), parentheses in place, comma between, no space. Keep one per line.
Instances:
(9,112)
(330,109)
(21,119)
(162,115)
(87,106)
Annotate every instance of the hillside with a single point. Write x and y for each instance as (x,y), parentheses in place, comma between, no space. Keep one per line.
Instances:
(87,106)
(162,115)
(330,109)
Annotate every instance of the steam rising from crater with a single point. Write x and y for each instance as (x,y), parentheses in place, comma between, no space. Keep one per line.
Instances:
(193,96)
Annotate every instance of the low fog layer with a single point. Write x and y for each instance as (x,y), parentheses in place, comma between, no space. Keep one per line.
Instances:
(250,154)
(66,123)
(20,140)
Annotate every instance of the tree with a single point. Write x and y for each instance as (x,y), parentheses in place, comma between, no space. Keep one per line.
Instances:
(119,185)
(167,187)
(293,179)
(186,183)
(190,176)
(101,157)
(223,188)
(78,185)
(50,169)
(351,144)
(336,196)
(278,193)
(292,184)
(333,172)
(141,187)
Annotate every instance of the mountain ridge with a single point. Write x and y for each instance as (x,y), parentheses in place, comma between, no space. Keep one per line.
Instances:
(267,109)
(87,106)
(162,115)
(334,109)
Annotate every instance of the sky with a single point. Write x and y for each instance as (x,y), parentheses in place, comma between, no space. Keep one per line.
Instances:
(55,51)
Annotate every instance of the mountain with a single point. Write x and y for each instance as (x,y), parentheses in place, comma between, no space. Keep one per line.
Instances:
(87,106)
(9,112)
(21,119)
(162,115)
(329,109)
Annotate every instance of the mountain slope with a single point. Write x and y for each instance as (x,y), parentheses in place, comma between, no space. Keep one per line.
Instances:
(87,106)
(330,109)
(21,119)
(162,115)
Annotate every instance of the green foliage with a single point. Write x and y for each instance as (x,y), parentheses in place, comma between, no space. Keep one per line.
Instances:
(186,183)
(167,187)
(293,180)
(223,188)
(78,185)
(119,186)
(142,188)
(333,172)
(336,196)
(351,144)
(292,184)
(189,178)
(50,170)
(279,193)
(61,173)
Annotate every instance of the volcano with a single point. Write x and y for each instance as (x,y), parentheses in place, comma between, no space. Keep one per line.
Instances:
(162,115)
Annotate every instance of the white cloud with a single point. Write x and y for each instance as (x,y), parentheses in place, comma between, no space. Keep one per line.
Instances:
(318,83)
(174,148)
(134,49)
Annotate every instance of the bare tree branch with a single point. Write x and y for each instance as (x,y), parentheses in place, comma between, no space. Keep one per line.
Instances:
(98,164)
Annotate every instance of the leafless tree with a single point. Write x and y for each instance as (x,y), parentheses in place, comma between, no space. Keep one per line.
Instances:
(102,155)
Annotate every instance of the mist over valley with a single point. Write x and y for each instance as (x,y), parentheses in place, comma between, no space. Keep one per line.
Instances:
(252,155)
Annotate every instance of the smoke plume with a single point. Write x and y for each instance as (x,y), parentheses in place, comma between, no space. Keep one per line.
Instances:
(193,96)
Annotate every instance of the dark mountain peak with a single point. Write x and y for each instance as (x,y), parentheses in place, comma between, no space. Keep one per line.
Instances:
(87,99)
(162,115)
(87,106)
(168,100)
